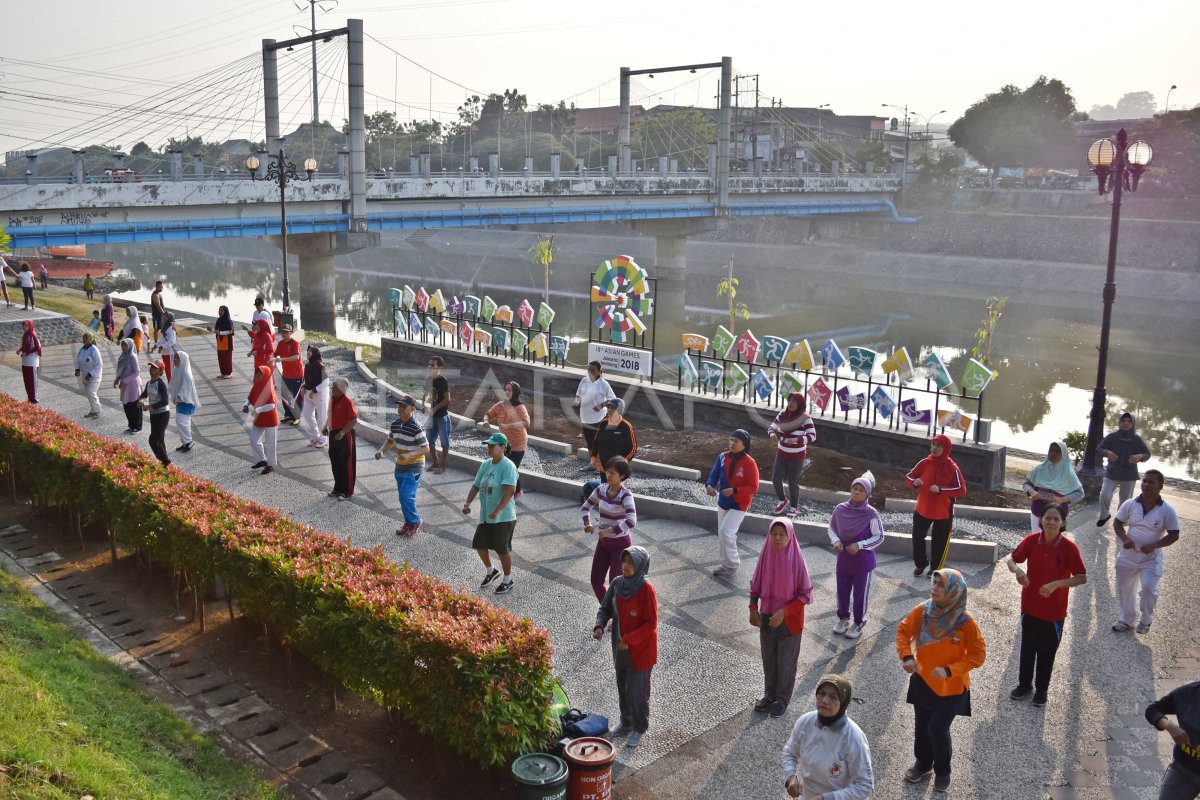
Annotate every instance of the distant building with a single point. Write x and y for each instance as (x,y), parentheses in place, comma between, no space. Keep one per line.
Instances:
(603,123)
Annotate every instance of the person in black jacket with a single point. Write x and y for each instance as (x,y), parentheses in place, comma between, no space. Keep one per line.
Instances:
(1182,781)
(157,400)
(1124,450)
(614,437)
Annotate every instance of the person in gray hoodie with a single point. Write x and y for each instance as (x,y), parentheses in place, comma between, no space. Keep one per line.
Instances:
(1124,450)
(827,752)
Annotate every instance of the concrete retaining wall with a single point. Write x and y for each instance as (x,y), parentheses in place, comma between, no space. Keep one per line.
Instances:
(972,512)
(551,391)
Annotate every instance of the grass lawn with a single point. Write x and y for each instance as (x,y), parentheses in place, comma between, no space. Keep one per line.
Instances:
(73,724)
(64,301)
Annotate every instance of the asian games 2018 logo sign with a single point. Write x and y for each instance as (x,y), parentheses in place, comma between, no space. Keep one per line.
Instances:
(622,289)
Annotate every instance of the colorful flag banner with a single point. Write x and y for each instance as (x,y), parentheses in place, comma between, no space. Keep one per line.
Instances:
(748,346)
(711,374)
(539,346)
(421,299)
(762,385)
(899,363)
(519,341)
(401,323)
(832,356)
(502,315)
(819,393)
(500,339)
(862,360)
(976,378)
(850,402)
(487,309)
(483,338)
(937,370)
(473,306)
(687,369)
(694,341)
(414,323)
(736,378)
(789,382)
(431,324)
(722,342)
(466,334)
(408,298)
(774,349)
(457,307)
(912,415)
(437,302)
(883,402)
(446,326)
(525,314)
(545,316)
(560,346)
(800,356)
(955,420)
(394,297)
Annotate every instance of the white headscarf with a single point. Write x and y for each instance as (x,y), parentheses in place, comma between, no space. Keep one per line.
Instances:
(183,386)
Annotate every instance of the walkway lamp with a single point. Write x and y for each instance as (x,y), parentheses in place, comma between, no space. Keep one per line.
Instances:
(1118,168)
(281,171)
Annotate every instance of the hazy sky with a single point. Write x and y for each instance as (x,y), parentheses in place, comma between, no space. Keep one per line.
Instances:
(70,71)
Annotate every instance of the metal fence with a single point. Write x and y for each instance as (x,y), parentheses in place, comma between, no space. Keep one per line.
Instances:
(480,336)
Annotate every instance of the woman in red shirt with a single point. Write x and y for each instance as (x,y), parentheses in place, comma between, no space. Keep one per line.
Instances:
(938,480)
(263,347)
(633,604)
(261,404)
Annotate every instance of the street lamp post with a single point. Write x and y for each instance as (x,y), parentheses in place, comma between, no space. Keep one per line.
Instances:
(1120,168)
(1167,107)
(928,120)
(281,171)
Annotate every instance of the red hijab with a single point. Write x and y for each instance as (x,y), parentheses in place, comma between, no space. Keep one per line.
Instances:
(30,343)
(262,392)
(940,470)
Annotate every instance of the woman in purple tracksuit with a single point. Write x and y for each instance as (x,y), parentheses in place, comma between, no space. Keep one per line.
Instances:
(855,530)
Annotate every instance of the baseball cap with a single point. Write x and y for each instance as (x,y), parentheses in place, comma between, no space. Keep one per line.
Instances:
(157,365)
(406,400)
(616,403)
(286,328)
(496,438)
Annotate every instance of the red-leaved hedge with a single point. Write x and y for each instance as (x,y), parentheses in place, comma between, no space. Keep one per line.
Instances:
(470,674)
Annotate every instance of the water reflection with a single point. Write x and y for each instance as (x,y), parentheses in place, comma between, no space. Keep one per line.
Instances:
(1045,354)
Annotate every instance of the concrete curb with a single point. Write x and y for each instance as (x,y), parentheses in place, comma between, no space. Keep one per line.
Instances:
(971,512)
(820,495)
(650,467)
(966,550)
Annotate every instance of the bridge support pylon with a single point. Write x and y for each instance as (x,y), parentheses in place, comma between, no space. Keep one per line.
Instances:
(670,264)
(318,283)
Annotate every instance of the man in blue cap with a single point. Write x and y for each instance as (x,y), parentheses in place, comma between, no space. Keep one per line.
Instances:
(495,484)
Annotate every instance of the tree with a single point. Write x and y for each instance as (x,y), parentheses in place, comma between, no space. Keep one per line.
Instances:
(1175,138)
(1015,127)
(940,169)
(876,151)
(982,351)
(542,254)
(683,134)
(727,287)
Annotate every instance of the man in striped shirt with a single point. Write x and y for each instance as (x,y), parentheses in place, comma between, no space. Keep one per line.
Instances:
(407,438)
(614,503)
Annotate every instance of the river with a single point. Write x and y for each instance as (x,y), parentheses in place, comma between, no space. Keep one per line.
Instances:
(1045,353)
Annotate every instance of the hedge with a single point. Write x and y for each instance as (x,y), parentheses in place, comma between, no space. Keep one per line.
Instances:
(458,668)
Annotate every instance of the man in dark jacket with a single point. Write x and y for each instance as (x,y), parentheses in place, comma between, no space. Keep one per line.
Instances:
(1182,781)
(614,437)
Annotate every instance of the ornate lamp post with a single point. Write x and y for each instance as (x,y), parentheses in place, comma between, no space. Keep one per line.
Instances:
(281,171)
(1118,167)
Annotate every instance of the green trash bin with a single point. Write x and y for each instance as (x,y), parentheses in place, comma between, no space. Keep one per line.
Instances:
(540,776)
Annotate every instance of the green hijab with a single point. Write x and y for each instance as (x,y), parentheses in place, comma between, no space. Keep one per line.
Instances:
(842,685)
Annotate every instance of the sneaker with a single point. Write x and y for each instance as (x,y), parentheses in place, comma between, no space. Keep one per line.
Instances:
(343,497)
(855,630)
(779,507)
(335,494)
(130,431)
(778,709)
(763,704)
(941,783)
(267,470)
(634,739)
(793,512)
(1143,628)
(1100,523)
(505,586)
(293,422)
(1020,692)
(1039,699)
(841,628)
(258,465)
(621,730)
(1121,627)
(915,774)
(723,572)
(918,572)
(491,575)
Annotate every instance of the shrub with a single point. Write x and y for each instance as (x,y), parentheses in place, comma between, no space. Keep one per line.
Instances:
(470,674)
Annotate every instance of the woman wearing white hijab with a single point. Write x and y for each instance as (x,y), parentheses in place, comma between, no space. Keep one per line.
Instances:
(185,398)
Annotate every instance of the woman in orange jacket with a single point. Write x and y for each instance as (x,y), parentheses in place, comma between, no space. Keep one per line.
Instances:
(949,645)
(938,480)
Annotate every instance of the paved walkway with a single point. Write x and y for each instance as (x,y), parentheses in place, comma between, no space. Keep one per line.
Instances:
(704,741)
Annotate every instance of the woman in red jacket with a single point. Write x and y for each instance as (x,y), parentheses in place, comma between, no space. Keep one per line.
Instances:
(734,482)
(263,346)
(632,602)
(261,404)
(938,480)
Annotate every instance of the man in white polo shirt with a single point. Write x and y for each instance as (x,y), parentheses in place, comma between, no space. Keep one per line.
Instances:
(1144,525)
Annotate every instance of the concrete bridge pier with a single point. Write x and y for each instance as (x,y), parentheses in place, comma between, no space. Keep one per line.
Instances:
(670,264)
(318,281)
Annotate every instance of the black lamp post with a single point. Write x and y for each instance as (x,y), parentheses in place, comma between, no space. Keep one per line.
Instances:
(1117,167)
(281,171)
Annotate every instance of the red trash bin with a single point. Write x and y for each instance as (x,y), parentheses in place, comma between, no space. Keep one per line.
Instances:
(590,759)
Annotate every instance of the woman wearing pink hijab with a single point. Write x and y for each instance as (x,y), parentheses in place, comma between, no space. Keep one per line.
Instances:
(782,586)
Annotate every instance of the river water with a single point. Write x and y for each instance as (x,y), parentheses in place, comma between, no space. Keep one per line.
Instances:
(1045,353)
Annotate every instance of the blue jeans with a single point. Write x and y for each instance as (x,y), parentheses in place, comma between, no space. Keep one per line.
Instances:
(407,484)
(439,429)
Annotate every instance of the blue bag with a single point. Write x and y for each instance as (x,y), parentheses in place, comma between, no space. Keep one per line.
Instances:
(591,725)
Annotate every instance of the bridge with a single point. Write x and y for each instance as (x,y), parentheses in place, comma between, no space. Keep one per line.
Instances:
(347,209)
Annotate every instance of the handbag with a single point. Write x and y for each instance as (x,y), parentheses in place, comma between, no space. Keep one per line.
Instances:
(582,724)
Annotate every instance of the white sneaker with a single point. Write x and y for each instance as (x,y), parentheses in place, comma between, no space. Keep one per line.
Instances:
(793,512)
(855,630)
(841,628)
(779,507)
